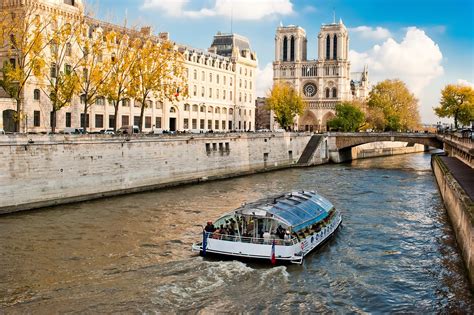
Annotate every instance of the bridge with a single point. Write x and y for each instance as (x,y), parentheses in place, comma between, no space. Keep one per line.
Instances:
(339,145)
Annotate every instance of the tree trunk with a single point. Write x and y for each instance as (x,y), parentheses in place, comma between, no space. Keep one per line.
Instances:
(116,108)
(142,111)
(18,115)
(85,113)
(53,120)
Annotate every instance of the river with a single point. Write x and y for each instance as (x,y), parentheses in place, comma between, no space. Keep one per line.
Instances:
(396,251)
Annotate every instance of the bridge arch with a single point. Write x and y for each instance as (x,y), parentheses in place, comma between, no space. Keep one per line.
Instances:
(350,140)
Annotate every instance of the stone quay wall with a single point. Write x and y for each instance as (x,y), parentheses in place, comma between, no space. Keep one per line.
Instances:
(41,170)
(460,209)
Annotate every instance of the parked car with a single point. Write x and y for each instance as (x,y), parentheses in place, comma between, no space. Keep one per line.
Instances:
(128,130)
(2,132)
(109,131)
(73,131)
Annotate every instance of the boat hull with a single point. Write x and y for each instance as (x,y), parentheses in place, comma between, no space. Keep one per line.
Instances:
(283,253)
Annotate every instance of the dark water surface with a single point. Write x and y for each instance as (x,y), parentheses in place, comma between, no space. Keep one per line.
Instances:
(396,251)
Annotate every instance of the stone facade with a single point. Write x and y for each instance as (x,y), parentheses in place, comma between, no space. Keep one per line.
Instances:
(323,82)
(221,87)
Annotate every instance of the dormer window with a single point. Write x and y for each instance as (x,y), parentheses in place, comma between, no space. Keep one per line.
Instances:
(70,2)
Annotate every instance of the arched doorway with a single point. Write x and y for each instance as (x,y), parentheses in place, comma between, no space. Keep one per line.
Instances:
(9,120)
(308,122)
(327,117)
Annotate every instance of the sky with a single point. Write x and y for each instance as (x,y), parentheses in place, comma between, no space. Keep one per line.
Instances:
(425,43)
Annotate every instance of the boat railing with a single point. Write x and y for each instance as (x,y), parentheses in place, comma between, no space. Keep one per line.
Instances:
(252,240)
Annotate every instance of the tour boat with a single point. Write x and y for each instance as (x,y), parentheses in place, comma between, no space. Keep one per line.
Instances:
(281,228)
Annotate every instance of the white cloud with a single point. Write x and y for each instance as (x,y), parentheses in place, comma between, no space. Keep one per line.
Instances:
(239,10)
(416,60)
(264,80)
(371,32)
(170,7)
(309,9)
(466,83)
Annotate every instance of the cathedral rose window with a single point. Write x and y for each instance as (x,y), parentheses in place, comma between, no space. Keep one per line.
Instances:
(309,90)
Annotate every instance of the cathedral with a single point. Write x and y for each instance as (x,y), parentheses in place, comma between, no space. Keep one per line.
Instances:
(323,82)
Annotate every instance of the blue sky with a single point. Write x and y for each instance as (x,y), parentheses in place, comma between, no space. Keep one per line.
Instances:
(427,44)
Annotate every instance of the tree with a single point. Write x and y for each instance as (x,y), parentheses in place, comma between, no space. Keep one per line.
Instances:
(23,41)
(348,118)
(62,77)
(160,72)
(286,103)
(94,70)
(457,101)
(124,52)
(397,104)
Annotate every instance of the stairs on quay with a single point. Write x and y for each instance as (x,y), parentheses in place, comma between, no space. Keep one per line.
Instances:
(309,150)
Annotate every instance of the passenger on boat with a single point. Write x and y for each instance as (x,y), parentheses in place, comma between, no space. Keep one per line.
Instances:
(280,232)
(209,227)
(266,237)
(287,236)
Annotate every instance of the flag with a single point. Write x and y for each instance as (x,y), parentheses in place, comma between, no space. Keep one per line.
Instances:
(273,253)
(177,92)
(204,242)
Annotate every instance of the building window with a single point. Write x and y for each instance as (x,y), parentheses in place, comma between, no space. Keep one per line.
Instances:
(328,47)
(217,93)
(186,107)
(250,83)
(147,121)
(54,70)
(194,122)
(172,110)
(292,49)
(224,79)
(68,50)
(327,92)
(240,83)
(186,123)
(223,125)
(111,121)
(285,48)
(84,120)
(230,95)
(67,69)
(224,110)
(201,124)
(126,102)
(195,75)
(202,109)
(159,105)
(36,118)
(209,124)
(158,122)
(202,91)
(223,94)
(195,108)
(240,96)
(125,120)
(230,80)
(195,90)
(210,109)
(203,76)
(36,94)
(210,92)
(334,49)
(99,121)
(137,103)
(148,104)
(231,111)
(217,79)
(218,110)
(136,120)
(68,120)
(100,100)
(210,77)
(334,92)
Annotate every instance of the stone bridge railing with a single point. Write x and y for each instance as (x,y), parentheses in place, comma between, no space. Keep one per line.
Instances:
(342,140)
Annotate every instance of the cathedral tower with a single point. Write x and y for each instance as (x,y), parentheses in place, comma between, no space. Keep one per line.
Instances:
(290,44)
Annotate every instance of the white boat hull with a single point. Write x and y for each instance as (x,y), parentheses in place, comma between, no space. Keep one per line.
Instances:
(285,253)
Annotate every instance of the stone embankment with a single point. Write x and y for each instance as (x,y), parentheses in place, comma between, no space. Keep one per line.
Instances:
(456,184)
(42,170)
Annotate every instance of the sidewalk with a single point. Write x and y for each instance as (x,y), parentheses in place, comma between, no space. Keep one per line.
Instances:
(463,174)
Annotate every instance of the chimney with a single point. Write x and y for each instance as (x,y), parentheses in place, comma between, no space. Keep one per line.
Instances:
(146,31)
(164,35)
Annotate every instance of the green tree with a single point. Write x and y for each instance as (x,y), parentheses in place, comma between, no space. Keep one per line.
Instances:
(457,101)
(22,41)
(349,118)
(391,106)
(285,103)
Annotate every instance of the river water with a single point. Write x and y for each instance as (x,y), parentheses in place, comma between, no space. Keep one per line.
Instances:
(396,251)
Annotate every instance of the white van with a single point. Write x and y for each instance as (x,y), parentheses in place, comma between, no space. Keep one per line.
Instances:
(128,130)
(73,131)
